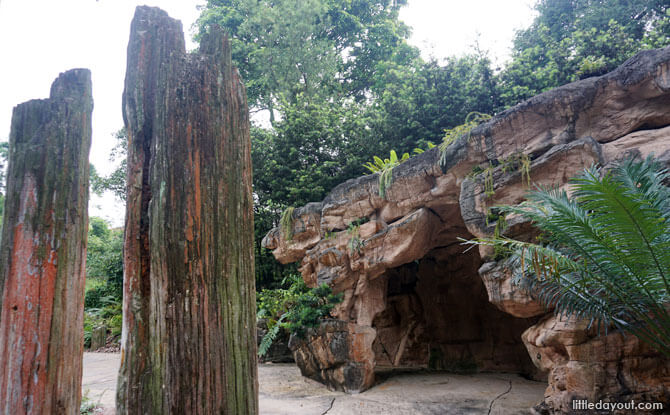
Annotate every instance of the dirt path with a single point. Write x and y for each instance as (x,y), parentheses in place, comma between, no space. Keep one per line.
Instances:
(284,391)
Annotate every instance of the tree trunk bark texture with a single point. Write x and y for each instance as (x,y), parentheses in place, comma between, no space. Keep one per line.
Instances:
(188,344)
(43,251)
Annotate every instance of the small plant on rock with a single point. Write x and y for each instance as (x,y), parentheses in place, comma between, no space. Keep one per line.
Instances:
(355,243)
(385,170)
(489,189)
(472,120)
(419,150)
(286,223)
(87,405)
(518,162)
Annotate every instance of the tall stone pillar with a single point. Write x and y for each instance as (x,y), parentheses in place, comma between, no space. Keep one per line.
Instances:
(43,251)
(189,299)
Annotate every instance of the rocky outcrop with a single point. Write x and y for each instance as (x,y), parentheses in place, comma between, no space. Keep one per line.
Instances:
(422,301)
(584,365)
(337,353)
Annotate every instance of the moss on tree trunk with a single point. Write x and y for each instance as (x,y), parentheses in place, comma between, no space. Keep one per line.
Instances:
(43,251)
(189,297)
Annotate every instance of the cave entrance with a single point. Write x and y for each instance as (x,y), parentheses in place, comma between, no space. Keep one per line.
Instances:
(438,316)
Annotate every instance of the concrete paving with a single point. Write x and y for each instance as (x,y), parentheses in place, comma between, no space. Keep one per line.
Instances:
(99,379)
(283,391)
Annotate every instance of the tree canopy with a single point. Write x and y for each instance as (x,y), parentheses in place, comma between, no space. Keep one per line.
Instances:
(340,83)
(575,39)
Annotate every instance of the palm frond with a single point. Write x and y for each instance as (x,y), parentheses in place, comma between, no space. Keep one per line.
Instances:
(609,258)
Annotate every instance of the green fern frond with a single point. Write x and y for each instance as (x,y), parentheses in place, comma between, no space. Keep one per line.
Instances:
(270,336)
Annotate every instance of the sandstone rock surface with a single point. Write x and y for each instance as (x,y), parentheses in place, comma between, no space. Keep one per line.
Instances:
(420,299)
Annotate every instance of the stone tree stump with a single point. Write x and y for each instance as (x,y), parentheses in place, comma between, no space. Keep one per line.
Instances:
(189,298)
(43,251)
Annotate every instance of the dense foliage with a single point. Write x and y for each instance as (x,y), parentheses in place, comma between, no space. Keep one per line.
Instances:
(574,39)
(116,181)
(339,83)
(608,253)
(104,278)
(294,308)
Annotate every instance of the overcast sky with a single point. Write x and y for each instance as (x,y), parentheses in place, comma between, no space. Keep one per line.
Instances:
(41,38)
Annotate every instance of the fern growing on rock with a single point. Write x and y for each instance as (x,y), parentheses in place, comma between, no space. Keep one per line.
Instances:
(294,309)
(270,336)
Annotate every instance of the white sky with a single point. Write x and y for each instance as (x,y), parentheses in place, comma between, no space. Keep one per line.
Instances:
(41,38)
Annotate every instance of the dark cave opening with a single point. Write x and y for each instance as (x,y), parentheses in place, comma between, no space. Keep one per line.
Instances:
(438,316)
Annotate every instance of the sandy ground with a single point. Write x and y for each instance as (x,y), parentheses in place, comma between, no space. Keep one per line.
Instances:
(283,391)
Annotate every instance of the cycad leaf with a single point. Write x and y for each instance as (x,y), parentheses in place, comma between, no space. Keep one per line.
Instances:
(609,258)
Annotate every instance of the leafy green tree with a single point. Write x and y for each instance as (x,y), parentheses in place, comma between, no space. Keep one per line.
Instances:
(308,49)
(312,149)
(608,253)
(104,257)
(116,181)
(104,279)
(418,102)
(269,272)
(574,39)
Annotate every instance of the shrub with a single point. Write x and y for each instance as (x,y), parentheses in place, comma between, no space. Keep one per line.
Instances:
(294,309)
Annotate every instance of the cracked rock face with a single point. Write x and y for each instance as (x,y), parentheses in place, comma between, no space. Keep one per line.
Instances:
(422,301)
(582,365)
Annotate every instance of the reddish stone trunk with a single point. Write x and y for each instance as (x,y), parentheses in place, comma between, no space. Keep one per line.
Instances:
(43,251)
(189,297)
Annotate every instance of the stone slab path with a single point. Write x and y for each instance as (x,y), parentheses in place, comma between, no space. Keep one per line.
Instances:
(283,391)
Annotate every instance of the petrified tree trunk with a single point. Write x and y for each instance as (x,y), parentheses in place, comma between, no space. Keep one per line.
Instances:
(43,251)
(189,297)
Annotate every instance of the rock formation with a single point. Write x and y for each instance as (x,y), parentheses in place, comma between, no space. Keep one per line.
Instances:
(43,250)
(189,299)
(413,297)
